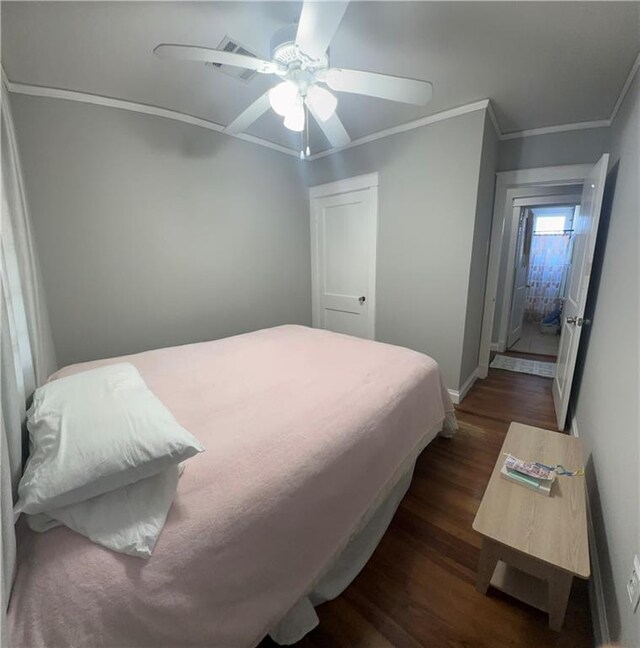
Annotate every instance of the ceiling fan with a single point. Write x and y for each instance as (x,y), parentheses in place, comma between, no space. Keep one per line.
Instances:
(300,58)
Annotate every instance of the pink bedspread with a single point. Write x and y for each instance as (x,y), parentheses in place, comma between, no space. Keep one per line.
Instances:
(302,428)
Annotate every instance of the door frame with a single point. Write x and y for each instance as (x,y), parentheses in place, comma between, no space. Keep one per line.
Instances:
(347,185)
(511,185)
(525,216)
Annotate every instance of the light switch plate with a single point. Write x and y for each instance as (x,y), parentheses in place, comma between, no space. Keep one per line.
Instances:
(633,584)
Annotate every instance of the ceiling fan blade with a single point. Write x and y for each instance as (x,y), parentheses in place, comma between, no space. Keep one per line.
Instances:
(206,55)
(384,86)
(332,128)
(247,117)
(318,23)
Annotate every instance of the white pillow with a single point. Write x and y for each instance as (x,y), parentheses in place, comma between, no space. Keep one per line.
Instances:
(128,519)
(96,431)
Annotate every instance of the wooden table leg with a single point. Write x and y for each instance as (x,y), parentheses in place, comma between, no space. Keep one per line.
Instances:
(489,556)
(559,590)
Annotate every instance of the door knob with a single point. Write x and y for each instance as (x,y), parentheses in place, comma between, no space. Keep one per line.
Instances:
(362,299)
(582,321)
(571,320)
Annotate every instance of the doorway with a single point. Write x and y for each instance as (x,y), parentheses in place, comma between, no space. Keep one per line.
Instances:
(542,261)
(511,228)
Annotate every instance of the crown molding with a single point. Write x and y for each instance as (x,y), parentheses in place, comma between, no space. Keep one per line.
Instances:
(484,104)
(147,109)
(132,106)
(625,88)
(602,123)
(418,123)
(494,120)
(560,128)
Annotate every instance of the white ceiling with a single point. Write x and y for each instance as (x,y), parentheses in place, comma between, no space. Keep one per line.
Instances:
(541,63)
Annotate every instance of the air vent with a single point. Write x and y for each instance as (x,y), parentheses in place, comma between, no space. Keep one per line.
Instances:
(229,45)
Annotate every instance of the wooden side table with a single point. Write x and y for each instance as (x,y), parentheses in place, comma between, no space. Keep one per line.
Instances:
(533,545)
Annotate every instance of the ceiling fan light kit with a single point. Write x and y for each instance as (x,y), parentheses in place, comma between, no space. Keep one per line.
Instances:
(294,119)
(323,102)
(283,97)
(287,99)
(300,59)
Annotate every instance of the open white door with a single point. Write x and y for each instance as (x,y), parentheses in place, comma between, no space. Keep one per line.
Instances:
(519,295)
(343,250)
(585,227)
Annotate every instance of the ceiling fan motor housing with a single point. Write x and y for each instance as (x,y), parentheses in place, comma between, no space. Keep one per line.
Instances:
(285,51)
(283,45)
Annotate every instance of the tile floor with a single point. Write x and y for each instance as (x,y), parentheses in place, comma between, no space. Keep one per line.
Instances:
(533,341)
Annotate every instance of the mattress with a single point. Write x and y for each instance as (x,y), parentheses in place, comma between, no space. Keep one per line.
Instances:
(303,429)
(349,561)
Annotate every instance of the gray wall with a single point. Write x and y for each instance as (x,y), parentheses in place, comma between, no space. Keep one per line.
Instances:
(427,208)
(554,149)
(606,410)
(480,252)
(153,233)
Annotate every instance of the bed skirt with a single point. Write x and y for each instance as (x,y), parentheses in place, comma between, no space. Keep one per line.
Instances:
(354,555)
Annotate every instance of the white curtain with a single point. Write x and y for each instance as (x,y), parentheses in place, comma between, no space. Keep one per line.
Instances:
(26,347)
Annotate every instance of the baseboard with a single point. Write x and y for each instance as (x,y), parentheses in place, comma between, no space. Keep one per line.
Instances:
(599,619)
(468,384)
(574,428)
(457,395)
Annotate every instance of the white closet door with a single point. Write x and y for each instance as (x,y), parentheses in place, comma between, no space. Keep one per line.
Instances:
(343,240)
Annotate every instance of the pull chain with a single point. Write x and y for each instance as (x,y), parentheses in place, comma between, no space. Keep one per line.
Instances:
(304,152)
(306,123)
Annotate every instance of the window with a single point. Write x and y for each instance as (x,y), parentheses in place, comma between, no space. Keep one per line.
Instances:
(549,224)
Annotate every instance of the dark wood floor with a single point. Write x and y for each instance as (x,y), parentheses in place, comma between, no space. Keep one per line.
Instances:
(418,589)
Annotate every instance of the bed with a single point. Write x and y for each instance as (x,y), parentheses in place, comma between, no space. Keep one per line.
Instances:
(310,439)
